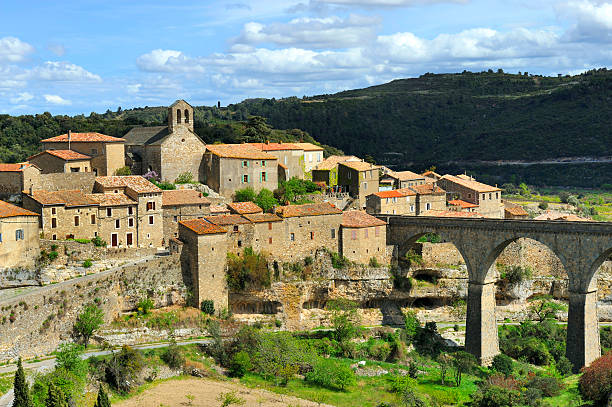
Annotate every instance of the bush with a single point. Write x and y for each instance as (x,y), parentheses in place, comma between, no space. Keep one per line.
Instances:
(82,241)
(503,364)
(412,324)
(331,374)
(184,178)
(378,350)
(564,196)
(173,356)
(68,357)
(122,368)
(144,306)
(125,170)
(245,195)
(249,271)
(596,381)
(549,386)
(53,255)
(208,307)
(605,336)
(513,275)
(88,321)
(564,366)
(543,205)
(265,200)
(98,242)
(240,364)
(428,341)
(338,261)
(87,263)
(166,186)
(493,396)
(374,262)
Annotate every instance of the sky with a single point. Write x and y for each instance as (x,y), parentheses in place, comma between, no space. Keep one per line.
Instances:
(82,56)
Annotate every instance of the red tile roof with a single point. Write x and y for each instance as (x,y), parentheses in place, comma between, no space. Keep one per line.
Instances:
(218,209)
(84,138)
(8,211)
(405,175)
(427,189)
(308,146)
(275,146)
(462,204)
(262,217)
(17,167)
(332,162)
(66,155)
(245,151)
(112,199)
(223,220)
(135,182)
(395,193)
(516,211)
(202,227)
(291,211)
(359,219)
(470,184)
(359,165)
(183,197)
(553,215)
(63,197)
(242,208)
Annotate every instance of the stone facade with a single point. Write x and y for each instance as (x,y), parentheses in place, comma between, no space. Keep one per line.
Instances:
(19,240)
(313,156)
(289,155)
(54,161)
(327,171)
(363,238)
(359,179)
(393,202)
(16,178)
(181,205)
(487,198)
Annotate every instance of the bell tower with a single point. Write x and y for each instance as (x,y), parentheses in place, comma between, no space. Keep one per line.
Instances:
(180,115)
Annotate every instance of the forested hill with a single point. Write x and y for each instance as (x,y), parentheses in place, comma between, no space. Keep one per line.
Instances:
(435,119)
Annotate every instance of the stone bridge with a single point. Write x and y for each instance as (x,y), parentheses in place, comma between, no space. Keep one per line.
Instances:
(580,246)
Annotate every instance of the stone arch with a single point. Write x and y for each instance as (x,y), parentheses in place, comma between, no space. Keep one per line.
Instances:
(591,273)
(178,116)
(186,116)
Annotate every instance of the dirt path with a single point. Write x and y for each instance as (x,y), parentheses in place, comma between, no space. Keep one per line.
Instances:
(173,393)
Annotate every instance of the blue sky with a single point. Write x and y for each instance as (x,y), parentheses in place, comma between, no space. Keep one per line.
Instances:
(71,57)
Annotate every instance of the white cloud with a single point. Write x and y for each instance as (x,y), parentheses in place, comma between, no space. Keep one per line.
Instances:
(14,50)
(167,60)
(56,100)
(593,20)
(388,3)
(62,71)
(134,88)
(306,32)
(22,97)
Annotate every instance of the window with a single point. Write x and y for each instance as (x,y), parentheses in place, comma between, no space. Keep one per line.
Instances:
(54,237)
(76,221)
(365,185)
(263,163)
(53,211)
(411,208)
(349,175)
(353,234)
(131,222)
(178,116)
(469,195)
(365,234)
(269,225)
(130,210)
(19,234)
(245,163)
(74,169)
(93,219)
(311,235)
(117,224)
(270,240)
(377,231)
(490,195)
(235,228)
(53,222)
(0,237)
(239,243)
(394,199)
(245,179)
(285,160)
(263,177)
(94,151)
(150,219)
(310,157)
(109,211)
(427,206)
(333,233)
(175,218)
(497,195)
(292,237)
(186,116)
(151,206)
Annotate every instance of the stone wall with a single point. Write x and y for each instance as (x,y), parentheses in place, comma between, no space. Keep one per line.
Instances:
(36,323)
(83,251)
(83,181)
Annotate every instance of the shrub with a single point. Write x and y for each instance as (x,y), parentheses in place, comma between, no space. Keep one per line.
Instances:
(564,196)
(229,399)
(379,350)
(573,200)
(400,384)
(164,185)
(503,364)
(208,307)
(68,357)
(605,336)
(240,364)
(412,324)
(98,242)
(493,396)
(53,255)
(87,263)
(249,271)
(331,374)
(82,241)
(245,195)
(564,366)
(173,356)
(265,200)
(374,262)
(308,260)
(343,319)
(463,363)
(430,237)
(513,275)
(549,386)
(596,381)
(184,178)
(125,170)
(543,205)
(427,340)
(88,321)
(122,368)
(144,306)
(338,261)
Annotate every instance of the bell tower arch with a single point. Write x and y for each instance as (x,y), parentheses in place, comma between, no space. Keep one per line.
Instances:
(180,114)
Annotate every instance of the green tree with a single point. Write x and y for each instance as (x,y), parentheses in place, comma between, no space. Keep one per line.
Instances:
(102,400)
(543,308)
(125,170)
(256,130)
(55,397)
(524,190)
(445,361)
(265,200)
(20,388)
(88,322)
(245,195)
(69,357)
(463,362)
(503,364)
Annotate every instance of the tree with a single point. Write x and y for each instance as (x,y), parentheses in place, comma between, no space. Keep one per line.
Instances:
(102,400)
(543,308)
(68,357)
(445,360)
(503,364)
(20,388)
(256,130)
(125,170)
(524,190)
(88,322)
(596,381)
(463,363)
(244,195)
(265,200)
(55,397)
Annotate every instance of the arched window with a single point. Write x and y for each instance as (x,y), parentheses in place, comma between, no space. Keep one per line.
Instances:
(186,116)
(178,115)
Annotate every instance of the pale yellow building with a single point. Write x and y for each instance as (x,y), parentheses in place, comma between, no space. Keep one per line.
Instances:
(19,239)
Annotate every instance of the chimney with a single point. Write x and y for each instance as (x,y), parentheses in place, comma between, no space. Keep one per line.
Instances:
(69,137)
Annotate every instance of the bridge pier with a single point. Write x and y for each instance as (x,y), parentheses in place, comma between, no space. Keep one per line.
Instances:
(481,338)
(582,346)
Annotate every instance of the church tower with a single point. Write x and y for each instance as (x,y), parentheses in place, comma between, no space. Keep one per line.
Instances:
(180,115)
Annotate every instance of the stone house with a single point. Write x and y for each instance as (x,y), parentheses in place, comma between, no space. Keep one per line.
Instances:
(458,205)
(359,179)
(54,161)
(182,204)
(515,212)
(431,176)
(229,167)
(363,238)
(168,150)
(239,231)
(19,237)
(204,258)
(313,156)
(268,233)
(106,152)
(402,179)
(149,212)
(16,178)
(327,171)
(465,188)
(429,197)
(117,222)
(288,154)
(394,202)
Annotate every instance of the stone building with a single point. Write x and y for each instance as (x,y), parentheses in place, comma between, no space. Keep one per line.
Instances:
(288,154)
(54,161)
(149,209)
(429,197)
(243,208)
(359,179)
(204,258)
(239,231)
(168,150)
(431,176)
(106,152)
(327,171)
(116,221)
(363,238)
(465,188)
(19,238)
(16,178)
(458,205)
(402,179)
(229,167)
(182,204)
(313,156)
(394,202)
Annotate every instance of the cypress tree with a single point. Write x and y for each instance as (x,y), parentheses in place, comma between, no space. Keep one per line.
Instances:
(102,400)
(21,390)
(55,397)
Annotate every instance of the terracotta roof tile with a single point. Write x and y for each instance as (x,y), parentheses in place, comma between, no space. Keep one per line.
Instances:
(112,199)
(202,227)
(262,217)
(223,220)
(553,215)
(431,174)
(275,146)
(83,138)
(395,193)
(462,204)
(359,165)
(280,164)
(359,219)
(471,184)
(8,211)
(218,209)
(405,175)
(63,197)
(516,211)
(183,197)
(308,146)
(135,182)
(427,189)
(67,155)
(238,151)
(17,167)
(332,162)
(242,208)
(291,211)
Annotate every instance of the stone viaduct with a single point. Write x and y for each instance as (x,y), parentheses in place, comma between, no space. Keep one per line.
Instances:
(580,246)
